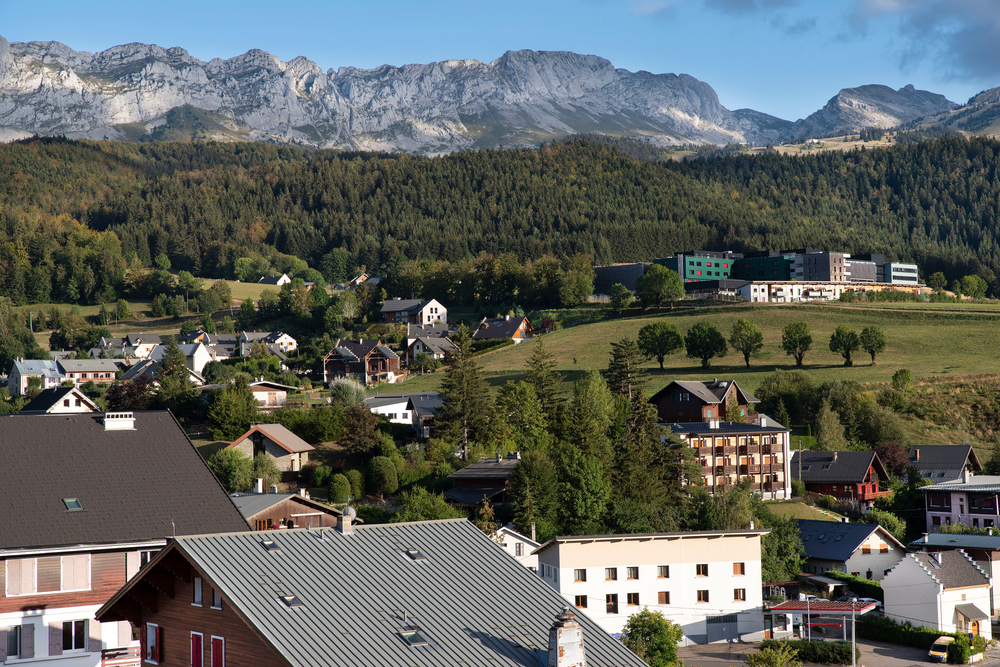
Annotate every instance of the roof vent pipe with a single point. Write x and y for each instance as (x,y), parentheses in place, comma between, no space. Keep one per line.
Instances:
(274,488)
(258,485)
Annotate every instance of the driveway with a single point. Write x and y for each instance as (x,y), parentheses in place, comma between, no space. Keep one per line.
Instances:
(873,654)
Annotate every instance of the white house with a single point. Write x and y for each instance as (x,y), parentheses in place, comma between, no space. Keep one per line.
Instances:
(49,372)
(520,547)
(708,582)
(270,395)
(273,339)
(970,499)
(943,590)
(60,400)
(197,355)
(397,408)
(861,549)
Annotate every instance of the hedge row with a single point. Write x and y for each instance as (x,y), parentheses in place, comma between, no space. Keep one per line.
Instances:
(884,629)
(816,651)
(865,588)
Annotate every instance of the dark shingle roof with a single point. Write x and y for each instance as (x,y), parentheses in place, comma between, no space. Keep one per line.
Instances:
(498,328)
(132,483)
(400,305)
(723,428)
(487,469)
(473,603)
(832,540)
(943,457)
(955,569)
(49,398)
(710,392)
(836,466)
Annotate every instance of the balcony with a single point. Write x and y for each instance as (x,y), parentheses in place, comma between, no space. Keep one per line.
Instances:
(749,469)
(725,470)
(705,451)
(720,451)
(770,449)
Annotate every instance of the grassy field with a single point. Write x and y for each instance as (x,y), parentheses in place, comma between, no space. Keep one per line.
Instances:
(797,510)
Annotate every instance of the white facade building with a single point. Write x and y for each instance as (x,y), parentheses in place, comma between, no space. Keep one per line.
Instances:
(708,582)
(397,408)
(943,590)
(520,547)
(970,500)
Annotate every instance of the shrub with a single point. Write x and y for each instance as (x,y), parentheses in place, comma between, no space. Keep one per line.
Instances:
(322,475)
(798,488)
(374,514)
(884,629)
(340,489)
(357,481)
(865,588)
(382,476)
(827,502)
(816,651)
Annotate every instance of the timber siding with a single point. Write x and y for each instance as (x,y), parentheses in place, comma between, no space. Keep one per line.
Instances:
(107,575)
(281,513)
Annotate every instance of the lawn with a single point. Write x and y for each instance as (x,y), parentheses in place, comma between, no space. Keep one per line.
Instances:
(797,510)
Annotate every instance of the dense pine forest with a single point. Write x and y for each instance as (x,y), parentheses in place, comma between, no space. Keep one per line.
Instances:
(76,215)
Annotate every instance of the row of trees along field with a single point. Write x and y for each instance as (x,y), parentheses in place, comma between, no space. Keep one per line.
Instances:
(75,216)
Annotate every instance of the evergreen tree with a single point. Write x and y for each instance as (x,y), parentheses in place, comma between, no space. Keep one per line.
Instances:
(626,377)
(266,468)
(517,423)
(174,377)
(465,396)
(233,409)
(247,316)
(208,324)
(543,377)
(829,430)
(590,416)
(534,495)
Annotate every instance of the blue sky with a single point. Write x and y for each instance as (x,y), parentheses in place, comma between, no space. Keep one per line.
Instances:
(783,57)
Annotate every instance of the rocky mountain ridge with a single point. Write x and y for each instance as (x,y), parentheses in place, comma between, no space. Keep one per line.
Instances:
(134,92)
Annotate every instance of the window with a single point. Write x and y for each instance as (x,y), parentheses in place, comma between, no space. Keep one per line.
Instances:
(73,504)
(702,596)
(579,575)
(701,569)
(633,572)
(708,413)
(581,601)
(152,643)
(935,521)
(21,576)
(519,549)
(411,634)
(66,403)
(739,569)
(218,652)
(145,557)
(663,597)
(740,594)
(197,649)
(197,592)
(866,548)
(14,641)
(216,599)
(74,635)
(633,599)
(611,574)
(663,571)
(612,603)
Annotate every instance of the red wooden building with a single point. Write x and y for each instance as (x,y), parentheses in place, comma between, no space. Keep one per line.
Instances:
(694,401)
(856,476)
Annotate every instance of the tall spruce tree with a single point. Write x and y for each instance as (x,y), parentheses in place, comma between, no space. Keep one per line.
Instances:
(466,403)
(172,374)
(543,377)
(626,377)
(591,412)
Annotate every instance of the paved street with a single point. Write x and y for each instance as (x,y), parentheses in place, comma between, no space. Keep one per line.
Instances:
(873,654)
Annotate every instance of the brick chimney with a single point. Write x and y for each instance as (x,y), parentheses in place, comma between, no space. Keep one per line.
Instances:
(916,453)
(566,642)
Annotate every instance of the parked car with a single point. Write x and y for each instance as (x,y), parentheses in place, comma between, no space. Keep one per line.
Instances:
(939,650)
(812,598)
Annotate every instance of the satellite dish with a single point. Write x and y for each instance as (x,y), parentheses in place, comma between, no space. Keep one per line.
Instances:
(350,513)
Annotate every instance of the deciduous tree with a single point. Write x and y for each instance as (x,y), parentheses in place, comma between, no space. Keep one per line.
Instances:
(746,338)
(872,341)
(653,638)
(659,339)
(619,297)
(846,342)
(796,340)
(704,341)
(659,284)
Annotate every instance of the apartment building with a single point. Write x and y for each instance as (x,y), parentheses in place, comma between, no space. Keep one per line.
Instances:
(969,500)
(708,582)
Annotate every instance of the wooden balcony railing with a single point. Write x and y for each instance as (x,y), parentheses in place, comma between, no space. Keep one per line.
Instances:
(130,656)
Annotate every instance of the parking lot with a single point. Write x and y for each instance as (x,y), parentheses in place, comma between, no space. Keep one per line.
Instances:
(873,654)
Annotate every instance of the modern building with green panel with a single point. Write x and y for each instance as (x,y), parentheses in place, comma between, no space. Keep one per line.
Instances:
(767,265)
(697,265)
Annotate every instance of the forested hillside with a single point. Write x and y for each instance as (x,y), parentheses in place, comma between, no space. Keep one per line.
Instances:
(207,205)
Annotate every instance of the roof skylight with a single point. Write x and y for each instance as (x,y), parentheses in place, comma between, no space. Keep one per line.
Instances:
(292,601)
(416,554)
(270,545)
(73,504)
(411,634)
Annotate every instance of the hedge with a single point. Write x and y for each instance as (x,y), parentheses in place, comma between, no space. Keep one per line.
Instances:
(816,651)
(884,629)
(865,588)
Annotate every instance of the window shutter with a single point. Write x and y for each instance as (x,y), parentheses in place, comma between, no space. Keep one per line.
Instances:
(131,564)
(218,652)
(13,577)
(125,633)
(142,641)
(3,645)
(82,572)
(55,639)
(28,640)
(95,630)
(28,576)
(159,645)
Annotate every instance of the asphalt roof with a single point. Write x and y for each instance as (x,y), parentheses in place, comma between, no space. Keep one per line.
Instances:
(383,400)
(49,398)
(956,569)
(425,403)
(397,305)
(487,469)
(436,345)
(473,603)
(958,541)
(134,485)
(473,495)
(834,540)
(943,457)
(818,466)
(498,327)
(710,392)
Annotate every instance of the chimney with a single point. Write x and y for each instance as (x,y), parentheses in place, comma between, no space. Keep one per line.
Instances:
(989,531)
(304,492)
(916,453)
(566,642)
(966,476)
(844,519)
(499,458)
(835,456)
(925,540)
(713,423)
(936,555)
(533,532)
(119,421)
(345,520)
(274,488)
(258,485)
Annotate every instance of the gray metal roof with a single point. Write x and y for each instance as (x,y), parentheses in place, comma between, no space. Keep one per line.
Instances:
(473,603)
(88,365)
(984,483)
(251,503)
(958,541)
(488,469)
(832,540)
(44,367)
(702,428)
(971,612)
(383,400)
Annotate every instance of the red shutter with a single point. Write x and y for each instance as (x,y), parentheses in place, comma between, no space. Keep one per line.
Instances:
(197,654)
(158,649)
(218,652)
(142,641)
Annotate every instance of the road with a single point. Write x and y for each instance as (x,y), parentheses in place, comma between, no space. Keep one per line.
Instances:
(873,654)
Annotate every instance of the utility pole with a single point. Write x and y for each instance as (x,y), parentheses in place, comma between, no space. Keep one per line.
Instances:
(853,643)
(800,459)
(808,628)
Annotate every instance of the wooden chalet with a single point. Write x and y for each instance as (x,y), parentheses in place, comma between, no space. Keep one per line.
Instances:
(274,511)
(856,476)
(694,401)
(368,361)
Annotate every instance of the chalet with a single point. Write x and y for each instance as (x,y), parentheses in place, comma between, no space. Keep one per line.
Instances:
(358,280)
(274,511)
(863,550)
(270,395)
(405,594)
(439,349)
(278,281)
(944,463)
(734,452)
(290,452)
(436,330)
(486,478)
(517,329)
(48,372)
(367,360)
(695,401)
(519,546)
(275,340)
(141,344)
(60,400)
(116,487)
(851,476)
(944,591)
(414,311)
